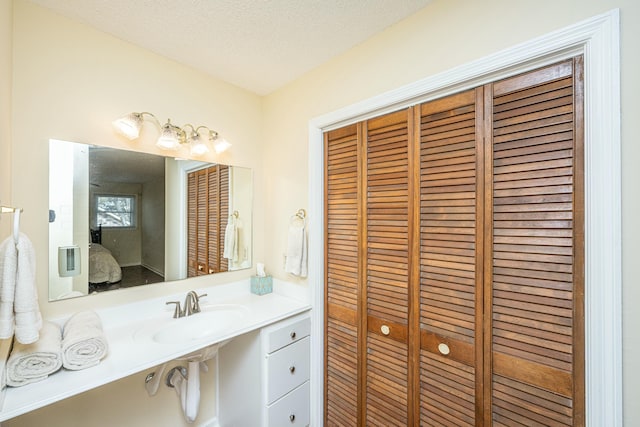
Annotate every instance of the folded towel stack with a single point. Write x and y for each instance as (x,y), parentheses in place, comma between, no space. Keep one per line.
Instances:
(83,341)
(29,363)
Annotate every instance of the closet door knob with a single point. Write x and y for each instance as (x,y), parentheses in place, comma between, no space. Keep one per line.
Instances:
(292,369)
(385,330)
(443,349)
(292,417)
(293,335)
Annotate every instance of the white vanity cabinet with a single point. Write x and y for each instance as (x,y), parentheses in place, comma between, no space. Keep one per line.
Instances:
(285,372)
(264,376)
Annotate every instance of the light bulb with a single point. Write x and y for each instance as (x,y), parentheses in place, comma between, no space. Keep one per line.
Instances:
(197,146)
(169,139)
(129,125)
(221,145)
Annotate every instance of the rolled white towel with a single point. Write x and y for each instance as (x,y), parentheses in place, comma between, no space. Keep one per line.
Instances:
(29,363)
(84,343)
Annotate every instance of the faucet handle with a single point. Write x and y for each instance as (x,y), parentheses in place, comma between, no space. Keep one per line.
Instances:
(177,312)
(196,302)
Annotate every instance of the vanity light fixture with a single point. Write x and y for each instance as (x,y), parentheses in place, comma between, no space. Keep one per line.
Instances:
(172,136)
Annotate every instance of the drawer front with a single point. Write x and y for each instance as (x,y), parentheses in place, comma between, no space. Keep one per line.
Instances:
(287,369)
(287,332)
(291,410)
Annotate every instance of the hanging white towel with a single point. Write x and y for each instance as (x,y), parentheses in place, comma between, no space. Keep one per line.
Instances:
(231,241)
(83,341)
(296,256)
(179,383)
(19,309)
(193,391)
(29,363)
(8,268)
(188,388)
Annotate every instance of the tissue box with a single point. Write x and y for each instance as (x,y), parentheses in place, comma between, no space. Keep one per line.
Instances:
(261,285)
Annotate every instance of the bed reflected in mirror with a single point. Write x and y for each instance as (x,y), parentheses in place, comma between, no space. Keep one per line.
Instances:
(121,218)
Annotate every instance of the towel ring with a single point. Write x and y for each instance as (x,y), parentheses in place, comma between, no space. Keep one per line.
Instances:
(301,215)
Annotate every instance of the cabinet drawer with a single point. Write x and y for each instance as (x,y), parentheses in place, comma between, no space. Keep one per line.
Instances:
(287,332)
(287,369)
(291,410)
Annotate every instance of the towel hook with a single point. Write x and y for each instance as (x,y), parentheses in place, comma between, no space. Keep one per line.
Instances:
(16,225)
(302,214)
(16,220)
(235,214)
(9,209)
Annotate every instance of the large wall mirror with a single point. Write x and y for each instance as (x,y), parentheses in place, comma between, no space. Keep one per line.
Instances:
(120,218)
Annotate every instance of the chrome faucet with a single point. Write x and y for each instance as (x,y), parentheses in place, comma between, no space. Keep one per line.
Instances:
(191,305)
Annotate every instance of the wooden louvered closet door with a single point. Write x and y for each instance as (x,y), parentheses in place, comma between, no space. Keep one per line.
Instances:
(535,257)
(367,352)
(455,258)
(343,276)
(387,270)
(207,217)
(451,227)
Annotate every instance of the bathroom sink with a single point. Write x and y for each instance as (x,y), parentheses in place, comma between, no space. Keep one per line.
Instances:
(211,321)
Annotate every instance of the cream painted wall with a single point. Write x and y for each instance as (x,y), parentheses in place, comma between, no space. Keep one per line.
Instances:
(445,34)
(6,72)
(69,83)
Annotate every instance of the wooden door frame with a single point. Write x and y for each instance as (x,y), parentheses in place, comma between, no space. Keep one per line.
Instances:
(598,40)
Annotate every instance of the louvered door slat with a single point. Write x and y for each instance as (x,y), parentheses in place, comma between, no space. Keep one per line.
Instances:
(342,275)
(533,255)
(449,258)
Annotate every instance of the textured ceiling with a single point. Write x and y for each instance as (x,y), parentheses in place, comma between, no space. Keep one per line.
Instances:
(259,45)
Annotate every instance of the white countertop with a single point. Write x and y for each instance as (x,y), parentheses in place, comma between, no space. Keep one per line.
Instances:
(128,356)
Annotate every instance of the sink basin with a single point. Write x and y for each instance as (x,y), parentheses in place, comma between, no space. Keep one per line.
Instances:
(211,321)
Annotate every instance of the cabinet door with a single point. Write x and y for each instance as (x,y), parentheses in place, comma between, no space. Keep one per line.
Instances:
(387,271)
(451,227)
(535,255)
(342,276)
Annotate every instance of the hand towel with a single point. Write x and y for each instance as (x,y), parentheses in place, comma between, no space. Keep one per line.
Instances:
(19,309)
(29,363)
(296,256)
(230,251)
(8,268)
(84,343)
(193,391)
(25,305)
(176,378)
